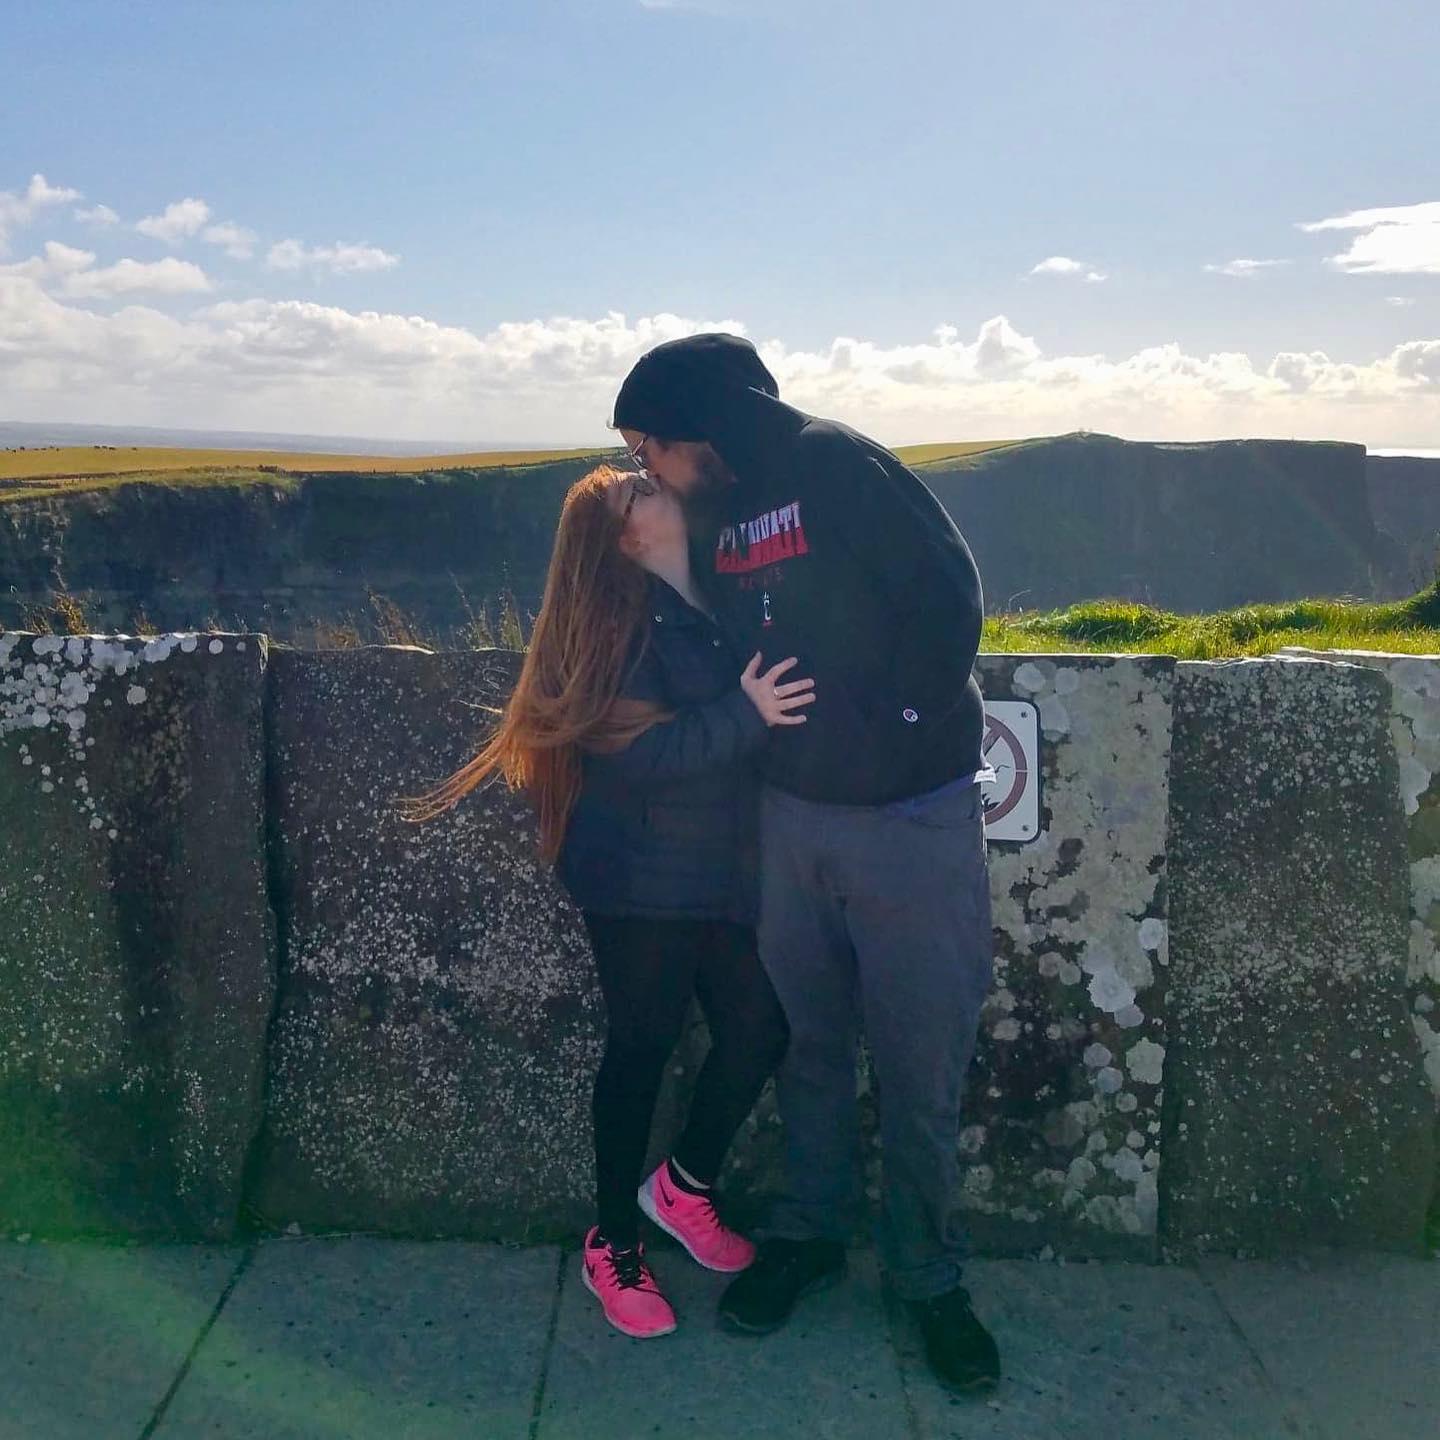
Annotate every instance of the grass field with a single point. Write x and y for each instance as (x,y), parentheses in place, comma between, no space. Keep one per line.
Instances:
(39,489)
(950,450)
(69,461)
(1409,626)
(1405,626)
(74,462)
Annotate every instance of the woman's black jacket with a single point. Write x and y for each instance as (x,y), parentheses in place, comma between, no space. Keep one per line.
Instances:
(667,827)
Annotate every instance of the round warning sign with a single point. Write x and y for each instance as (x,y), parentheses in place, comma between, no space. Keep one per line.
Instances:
(1011,747)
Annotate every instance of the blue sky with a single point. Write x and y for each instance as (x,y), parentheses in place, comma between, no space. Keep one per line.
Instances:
(490,182)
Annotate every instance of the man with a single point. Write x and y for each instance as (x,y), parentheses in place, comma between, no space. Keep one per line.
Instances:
(813,541)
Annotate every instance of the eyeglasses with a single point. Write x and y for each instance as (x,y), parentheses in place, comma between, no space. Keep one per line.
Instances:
(640,484)
(637,455)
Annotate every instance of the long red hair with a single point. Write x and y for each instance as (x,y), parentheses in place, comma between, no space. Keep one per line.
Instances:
(567,699)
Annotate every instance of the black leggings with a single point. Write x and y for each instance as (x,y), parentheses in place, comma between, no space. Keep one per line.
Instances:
(648,971)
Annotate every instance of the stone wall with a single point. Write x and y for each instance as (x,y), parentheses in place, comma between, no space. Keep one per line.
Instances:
(1297,1106)
(1415,731)
(1064,1133)
(437,1027)
(137,966)
(1185,960)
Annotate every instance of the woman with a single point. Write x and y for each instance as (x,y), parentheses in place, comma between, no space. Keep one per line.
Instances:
(631,733)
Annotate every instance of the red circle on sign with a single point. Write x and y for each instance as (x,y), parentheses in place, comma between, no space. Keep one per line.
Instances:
(997,731)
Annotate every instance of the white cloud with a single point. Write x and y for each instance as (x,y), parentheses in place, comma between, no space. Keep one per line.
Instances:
(1393,240)
(341,258)
(40,193)
(1064,265)
(237,242)
(124,277)
(1424,214)
(101,216)
(1244,269)
(57,261)
(1419,360)
(18,210)
(1002,350)
(1300,372)
(297,365)
(72,272)
(64,259)
(1400,301)
(178,222)
(67,259)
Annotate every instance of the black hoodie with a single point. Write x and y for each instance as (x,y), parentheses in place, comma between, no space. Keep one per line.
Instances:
(826,547)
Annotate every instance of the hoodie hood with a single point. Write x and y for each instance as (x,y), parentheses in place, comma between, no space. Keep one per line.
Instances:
(711,387)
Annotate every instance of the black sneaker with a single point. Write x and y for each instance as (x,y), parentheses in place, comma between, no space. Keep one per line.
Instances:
(761,1298)
(961,1351)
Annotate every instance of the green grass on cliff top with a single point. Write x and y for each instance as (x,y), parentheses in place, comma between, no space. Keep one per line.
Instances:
(1120,626)
(66,462)
(38,472)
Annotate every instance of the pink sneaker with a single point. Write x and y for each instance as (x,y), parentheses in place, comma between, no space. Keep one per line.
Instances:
(692,1220)
(626,1289)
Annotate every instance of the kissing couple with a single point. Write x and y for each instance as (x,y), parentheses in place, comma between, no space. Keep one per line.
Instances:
(749,727)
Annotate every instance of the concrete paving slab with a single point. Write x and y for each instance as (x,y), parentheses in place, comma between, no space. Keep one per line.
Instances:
(91,1337)
(1355,1338)
(357,1338)
(830,1374)
(1128,1351)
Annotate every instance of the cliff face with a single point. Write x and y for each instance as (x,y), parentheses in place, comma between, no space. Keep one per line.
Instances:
(1405,501)
(1186,527)
(286,555)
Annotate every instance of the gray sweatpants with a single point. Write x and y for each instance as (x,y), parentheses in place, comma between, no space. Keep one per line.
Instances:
(877,915)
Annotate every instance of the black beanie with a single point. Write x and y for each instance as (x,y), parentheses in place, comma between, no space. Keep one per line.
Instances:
(676,388)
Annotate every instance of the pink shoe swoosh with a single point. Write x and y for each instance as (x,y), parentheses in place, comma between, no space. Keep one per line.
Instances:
(626,1290)
(691,1219)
